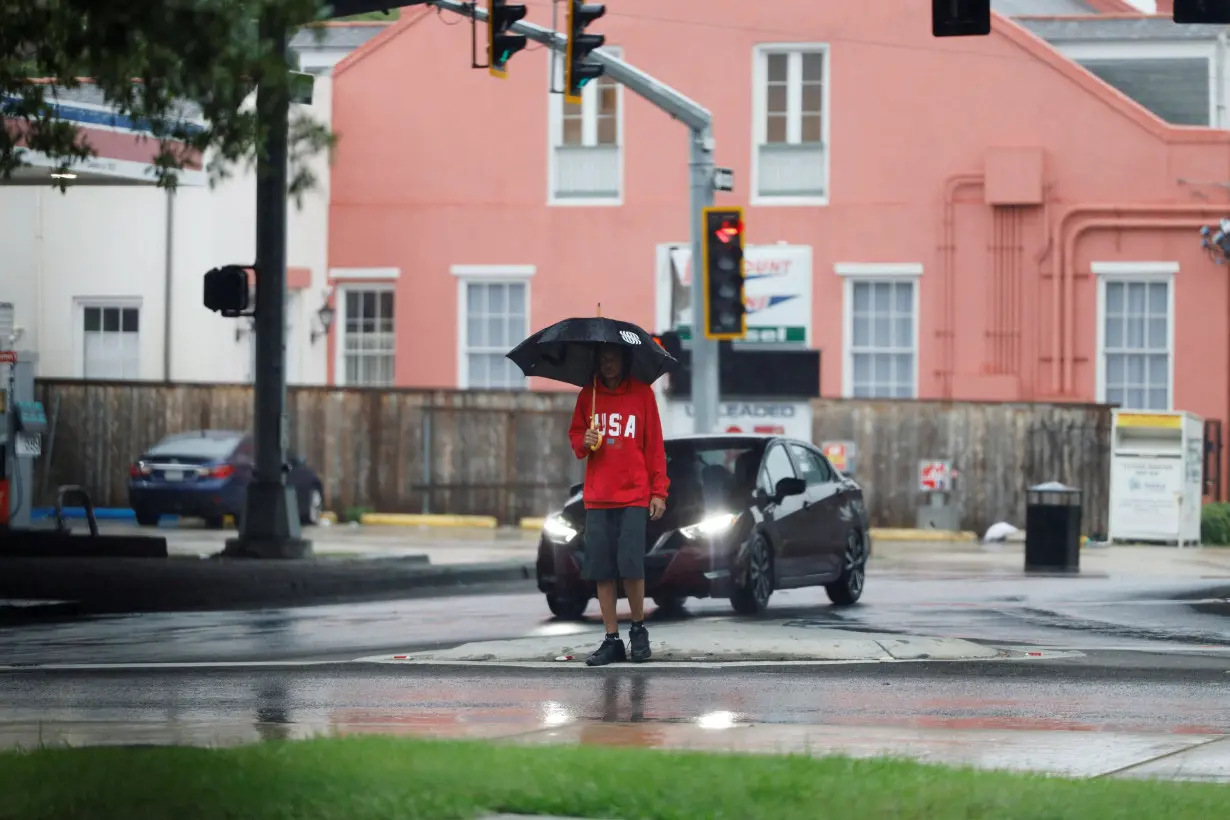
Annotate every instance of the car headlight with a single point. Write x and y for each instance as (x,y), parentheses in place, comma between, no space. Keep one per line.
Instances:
(708,527)
(558,530)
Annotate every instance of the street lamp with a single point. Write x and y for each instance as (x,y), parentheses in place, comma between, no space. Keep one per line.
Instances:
(324,316)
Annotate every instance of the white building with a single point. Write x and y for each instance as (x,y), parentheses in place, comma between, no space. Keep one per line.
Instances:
(104,281)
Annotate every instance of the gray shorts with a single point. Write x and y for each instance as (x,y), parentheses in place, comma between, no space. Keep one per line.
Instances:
(615,544)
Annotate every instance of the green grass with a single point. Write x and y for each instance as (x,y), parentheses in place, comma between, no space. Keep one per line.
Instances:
(375,777)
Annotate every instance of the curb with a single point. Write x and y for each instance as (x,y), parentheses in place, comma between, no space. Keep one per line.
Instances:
(486,522)
(532,523)
(901,534)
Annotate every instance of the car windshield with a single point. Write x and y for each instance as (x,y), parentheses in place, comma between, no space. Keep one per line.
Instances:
(203,447)
(712,469)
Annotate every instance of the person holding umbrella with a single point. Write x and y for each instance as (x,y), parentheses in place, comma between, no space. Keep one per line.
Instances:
(616,428)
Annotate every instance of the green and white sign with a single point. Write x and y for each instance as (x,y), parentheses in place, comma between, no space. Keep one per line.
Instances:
(777,288)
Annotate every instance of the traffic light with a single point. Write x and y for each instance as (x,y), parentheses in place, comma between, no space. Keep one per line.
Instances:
(1216,12)
(577,72)
(501,45)
(226,290)
(960,18)
(722,267)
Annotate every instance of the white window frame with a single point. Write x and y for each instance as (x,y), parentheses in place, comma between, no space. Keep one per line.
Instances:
(869,273)
(339,325)
(760,76)
(485,275)
(589,129)
(80,303)
(1145,273)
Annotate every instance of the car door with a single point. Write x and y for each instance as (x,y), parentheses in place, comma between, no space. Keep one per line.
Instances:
(783,519)
(821,539)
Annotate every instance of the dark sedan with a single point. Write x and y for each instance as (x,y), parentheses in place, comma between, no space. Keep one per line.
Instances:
(205,474)
(746,515)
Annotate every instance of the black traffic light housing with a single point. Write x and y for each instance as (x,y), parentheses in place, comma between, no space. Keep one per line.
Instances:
(578,72)
(501,45)
(960,18)
(1215,12)
(226,291)
(725,315)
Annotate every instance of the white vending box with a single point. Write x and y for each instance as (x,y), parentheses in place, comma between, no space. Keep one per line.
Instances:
(1156,476)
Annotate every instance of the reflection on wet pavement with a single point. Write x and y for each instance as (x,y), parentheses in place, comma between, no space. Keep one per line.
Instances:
(1088,729)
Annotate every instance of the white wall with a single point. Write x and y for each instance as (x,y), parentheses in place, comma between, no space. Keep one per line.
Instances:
(109,242)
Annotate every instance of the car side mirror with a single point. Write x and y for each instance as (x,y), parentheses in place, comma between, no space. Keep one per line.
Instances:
(575,488)
(788,487)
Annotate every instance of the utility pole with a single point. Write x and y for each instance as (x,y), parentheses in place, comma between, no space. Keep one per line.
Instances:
(700,151)
(269,527)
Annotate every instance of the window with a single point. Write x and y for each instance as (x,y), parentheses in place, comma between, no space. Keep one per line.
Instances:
(110,341)
(494,318)
(368,336)
(790,165)
(815,470)
(1135,337)
(586,143)
(776,467)
(881,330)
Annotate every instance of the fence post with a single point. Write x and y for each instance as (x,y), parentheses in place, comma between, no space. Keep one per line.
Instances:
(428,457)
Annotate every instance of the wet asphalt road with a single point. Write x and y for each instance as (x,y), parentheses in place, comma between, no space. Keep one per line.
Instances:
(1157,659)
(298,702)
(1076,612)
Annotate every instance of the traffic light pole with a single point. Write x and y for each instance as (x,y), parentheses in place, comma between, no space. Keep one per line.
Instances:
(705,386)
(269,526)
(696,117)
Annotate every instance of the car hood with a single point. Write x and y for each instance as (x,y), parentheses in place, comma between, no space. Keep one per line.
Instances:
(682,514)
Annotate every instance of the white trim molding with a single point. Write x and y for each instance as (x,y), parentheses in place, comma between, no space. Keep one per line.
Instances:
(365,274)
(588,164)
(1151,270)
(1134,272)
(494,271)
(467,275)
(794,118)
(878,269)
(858,273)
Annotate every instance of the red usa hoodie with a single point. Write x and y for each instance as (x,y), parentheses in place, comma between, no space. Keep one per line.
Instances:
(630,466)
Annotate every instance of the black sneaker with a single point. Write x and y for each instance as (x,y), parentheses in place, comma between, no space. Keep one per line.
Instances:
(611,651)
(638,640)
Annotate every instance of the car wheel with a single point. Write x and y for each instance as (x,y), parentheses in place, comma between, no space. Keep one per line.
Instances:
(669,604)
(752,591)
(315,507)
(566,607)
(848,588)
(148,519)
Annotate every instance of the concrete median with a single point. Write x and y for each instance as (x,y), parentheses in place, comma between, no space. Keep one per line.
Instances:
(716,642)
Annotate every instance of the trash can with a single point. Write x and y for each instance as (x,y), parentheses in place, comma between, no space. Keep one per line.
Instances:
(1053,528)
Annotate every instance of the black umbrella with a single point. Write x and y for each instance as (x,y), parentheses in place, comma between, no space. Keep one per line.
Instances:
(567,351)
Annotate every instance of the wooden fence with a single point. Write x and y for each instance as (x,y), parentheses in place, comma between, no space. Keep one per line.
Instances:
(1000,451)
(506,453)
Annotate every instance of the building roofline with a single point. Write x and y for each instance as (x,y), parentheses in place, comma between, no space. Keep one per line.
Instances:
(1134,15)
(1112,6)
(1132,110)
(392,32)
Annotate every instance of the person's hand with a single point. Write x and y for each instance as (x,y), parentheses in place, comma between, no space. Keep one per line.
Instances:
(657,506)
(592,438)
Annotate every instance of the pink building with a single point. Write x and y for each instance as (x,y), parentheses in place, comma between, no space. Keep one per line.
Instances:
(976,218)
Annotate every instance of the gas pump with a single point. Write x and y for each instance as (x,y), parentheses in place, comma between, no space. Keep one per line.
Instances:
(22,426)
